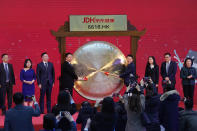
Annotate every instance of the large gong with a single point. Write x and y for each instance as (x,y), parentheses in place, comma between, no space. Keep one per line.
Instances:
(101,63)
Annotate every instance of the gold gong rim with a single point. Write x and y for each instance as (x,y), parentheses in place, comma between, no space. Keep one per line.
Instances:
(121,84)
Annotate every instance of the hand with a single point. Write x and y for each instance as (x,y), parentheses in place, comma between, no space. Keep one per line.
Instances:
(68,116)
(97,103)
(53,85)
(29,82)
(58,117)
(151,81)
(88,123)
(40,86)
(80,78)
(157,85)
(137,87)
(33,81)
(189,77)
(142,82)
(128,88)
(167,79)
(34,99)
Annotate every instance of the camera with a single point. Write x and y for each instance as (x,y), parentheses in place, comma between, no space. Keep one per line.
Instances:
(115,94)
(133,85)
(146,79)
(165,82)
(62,113)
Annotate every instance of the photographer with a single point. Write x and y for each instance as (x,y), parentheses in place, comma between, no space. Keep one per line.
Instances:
(85,112)
(152,103)
(168,112)
(65,121)
(65,103)
(134,103)
(106,119)
(121,112)
(19,118)
(188,117)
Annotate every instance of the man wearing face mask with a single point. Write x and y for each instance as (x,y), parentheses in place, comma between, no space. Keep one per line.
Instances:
(68,75)
(45,79)
(7,80)
(129,75)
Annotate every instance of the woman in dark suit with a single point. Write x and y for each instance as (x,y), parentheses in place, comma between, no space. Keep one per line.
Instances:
(188,75)
(152,70)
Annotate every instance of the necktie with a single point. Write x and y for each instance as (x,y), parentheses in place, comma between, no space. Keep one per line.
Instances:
(7,72)
(46,66)
(167,67)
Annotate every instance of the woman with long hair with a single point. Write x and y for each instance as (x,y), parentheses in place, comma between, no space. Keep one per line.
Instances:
(152,70)
(64,105)
(134,105)
(106,119)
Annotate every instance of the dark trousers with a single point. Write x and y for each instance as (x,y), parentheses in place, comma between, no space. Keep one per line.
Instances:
(188,91)
(7,88)
(45,89)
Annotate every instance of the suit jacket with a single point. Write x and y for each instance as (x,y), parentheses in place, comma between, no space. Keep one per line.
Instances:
(19,118)
(43,75)
(185,72)
(67,75)
(130,74)
(3,74)
(171,71)
(153,73)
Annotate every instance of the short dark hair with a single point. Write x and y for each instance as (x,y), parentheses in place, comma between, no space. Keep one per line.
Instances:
(25,63)
(129,55)
(3,55)
(66,55)
(186,61)
(167,54)
(108,105)
(18,98)
(43,54)
(168,87)
(49,121)
(63,100)
(188,104)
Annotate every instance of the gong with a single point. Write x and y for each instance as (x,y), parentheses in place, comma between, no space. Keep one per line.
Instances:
(100,63)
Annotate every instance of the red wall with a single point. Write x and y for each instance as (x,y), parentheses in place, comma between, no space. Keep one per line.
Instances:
(25,25)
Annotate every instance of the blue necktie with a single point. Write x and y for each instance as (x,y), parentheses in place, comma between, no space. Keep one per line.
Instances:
(7,72)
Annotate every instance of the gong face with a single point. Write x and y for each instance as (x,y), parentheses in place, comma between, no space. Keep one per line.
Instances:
(101,63)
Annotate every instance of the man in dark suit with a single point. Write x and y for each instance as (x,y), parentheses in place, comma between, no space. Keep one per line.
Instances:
(68,75)
(7,80)
(45,79)
(129,75)
(19,118)
(168,70)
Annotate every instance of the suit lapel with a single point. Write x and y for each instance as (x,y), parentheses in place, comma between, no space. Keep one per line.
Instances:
(2,68)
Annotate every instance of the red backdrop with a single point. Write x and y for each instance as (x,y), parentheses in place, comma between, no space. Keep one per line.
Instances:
(25,25)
